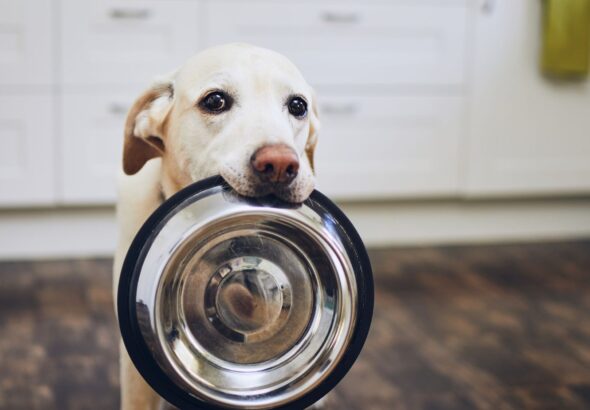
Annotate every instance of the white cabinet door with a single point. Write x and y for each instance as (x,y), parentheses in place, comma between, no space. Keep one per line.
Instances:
(26,42)
(373,146)
(528,134)
(92,127)
(122,42)
(352,42)
(27,150)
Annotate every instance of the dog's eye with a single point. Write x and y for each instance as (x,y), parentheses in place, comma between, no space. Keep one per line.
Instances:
(297,106)
(216,102)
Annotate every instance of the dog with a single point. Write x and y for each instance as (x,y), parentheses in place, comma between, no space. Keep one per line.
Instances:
(236,110)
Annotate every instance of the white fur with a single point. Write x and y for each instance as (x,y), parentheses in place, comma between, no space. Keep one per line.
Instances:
(198,145)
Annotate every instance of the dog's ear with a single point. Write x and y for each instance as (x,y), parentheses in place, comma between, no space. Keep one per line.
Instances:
(314,129)
(145,125)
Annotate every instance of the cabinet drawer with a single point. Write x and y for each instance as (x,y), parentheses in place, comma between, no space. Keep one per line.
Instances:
(352,43)
(92,145)
(389,146)
(27,154)
(26,42)
(122,42)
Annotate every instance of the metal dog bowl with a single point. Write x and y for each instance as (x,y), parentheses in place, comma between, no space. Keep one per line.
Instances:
(228,302)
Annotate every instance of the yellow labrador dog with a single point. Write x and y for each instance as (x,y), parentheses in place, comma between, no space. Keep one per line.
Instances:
(236,110)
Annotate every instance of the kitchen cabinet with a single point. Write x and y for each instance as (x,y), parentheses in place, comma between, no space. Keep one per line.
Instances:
(27,150)
(528,135)
(125,42)
(389,146)
(112,50)
(27,50)
(92,130)
(352,43)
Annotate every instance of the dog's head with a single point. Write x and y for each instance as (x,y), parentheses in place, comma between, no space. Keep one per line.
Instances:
(236,110)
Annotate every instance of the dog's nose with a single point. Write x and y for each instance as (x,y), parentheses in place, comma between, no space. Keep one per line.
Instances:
(276,163)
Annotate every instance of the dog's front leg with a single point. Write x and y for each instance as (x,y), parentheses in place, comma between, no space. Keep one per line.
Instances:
(136,394)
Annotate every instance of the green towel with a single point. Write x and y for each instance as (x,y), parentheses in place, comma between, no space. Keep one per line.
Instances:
(566,37)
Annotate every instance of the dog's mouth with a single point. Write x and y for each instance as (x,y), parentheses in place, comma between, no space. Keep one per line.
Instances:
(249,185)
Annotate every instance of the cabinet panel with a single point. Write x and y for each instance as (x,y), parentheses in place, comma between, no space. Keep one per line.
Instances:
(352,43)
(92,145)
(389,146)
(122,42)
(26,42)
(528,134)
(27,154)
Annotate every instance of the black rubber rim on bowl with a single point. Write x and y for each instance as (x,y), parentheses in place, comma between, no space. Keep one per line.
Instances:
(138,350)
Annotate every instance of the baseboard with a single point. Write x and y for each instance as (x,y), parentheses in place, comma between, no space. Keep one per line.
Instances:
(84,232)
(57,233)
(471,221)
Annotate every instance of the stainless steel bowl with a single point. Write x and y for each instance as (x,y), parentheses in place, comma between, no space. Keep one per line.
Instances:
(228,302)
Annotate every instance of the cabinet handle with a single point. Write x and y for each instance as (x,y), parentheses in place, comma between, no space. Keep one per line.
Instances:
(340,17)
(118,109)
(488,6)
(340,109)
(129,14)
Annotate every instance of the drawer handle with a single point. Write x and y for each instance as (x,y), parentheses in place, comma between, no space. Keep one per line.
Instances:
(129,14)
(488,6)
(340,109)
(118,109)
(340,17)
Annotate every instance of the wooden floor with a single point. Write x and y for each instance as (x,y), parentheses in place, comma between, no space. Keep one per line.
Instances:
(489,327)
